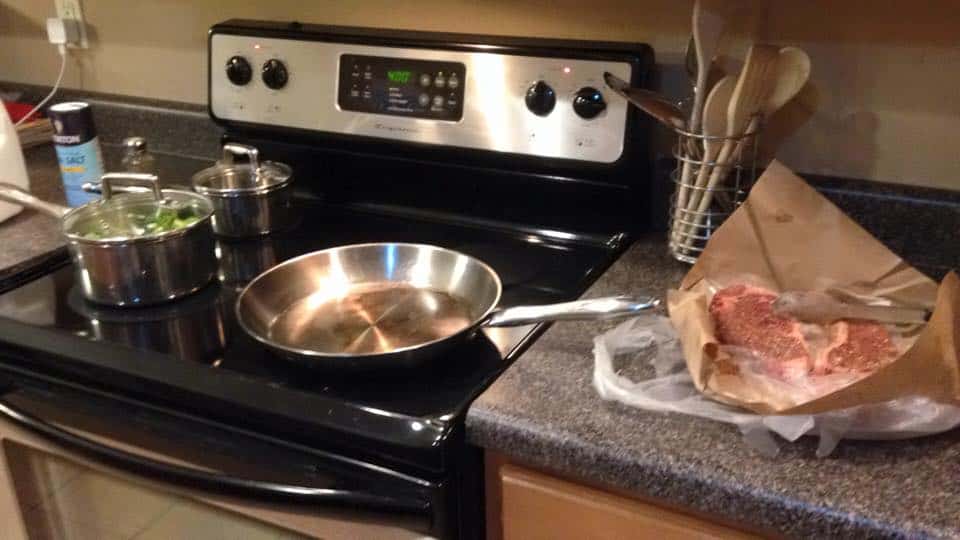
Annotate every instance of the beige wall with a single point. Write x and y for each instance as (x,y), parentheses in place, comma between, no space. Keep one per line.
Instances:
(884,102)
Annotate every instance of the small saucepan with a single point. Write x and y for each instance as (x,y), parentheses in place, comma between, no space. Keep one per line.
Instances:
(134,248)
(249,199)
(383,305)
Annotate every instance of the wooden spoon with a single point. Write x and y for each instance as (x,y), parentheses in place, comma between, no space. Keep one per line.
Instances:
(690,65)
(822,308)
(714,125)
(754,86)
(649,102)
(708,26)
(793,71)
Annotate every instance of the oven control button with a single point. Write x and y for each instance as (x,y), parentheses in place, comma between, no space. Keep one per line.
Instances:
(439,81)
(239,71)
(424,99)
(274,74)
(588,102)
(540,98)
(438,101)
(425,80)
(453,82)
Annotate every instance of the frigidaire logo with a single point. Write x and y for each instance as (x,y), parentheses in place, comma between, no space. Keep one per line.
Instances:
(395,129)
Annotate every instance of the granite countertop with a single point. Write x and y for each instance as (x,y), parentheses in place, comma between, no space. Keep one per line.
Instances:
(32,240)
(544,412)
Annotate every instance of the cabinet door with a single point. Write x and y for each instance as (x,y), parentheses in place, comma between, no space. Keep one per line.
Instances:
(536,506)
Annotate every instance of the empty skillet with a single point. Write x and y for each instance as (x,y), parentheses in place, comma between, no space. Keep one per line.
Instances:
(387,305)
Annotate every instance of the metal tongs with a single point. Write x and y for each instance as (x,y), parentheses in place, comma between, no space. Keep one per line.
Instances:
(823,308)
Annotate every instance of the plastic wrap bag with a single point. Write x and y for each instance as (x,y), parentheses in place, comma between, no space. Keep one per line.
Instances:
(649,345)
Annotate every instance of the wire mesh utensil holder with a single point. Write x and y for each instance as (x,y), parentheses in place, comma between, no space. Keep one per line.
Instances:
(697,209)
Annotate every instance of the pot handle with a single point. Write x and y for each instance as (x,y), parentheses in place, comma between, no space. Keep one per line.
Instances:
(94,187)
(231,150)
(17,195)
(610,307)
(148,181)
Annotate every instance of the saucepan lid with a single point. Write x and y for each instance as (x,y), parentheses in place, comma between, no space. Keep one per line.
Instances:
(147,214)
(230,178)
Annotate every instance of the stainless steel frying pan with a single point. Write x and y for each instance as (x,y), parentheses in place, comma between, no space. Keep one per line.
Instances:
(388,305)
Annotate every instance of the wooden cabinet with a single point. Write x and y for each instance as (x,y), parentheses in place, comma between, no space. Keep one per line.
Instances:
(530,505)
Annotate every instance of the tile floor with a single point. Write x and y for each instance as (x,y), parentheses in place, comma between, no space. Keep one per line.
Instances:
(64,501)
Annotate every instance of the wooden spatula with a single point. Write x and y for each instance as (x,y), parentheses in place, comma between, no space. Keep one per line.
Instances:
(714,125)
(707,28)
(754,86)
(793,72)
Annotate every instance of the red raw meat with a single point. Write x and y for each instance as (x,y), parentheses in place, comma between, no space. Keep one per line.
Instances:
(855,347)
(744,317)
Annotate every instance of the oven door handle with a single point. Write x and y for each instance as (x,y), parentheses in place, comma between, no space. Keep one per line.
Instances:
(204,480)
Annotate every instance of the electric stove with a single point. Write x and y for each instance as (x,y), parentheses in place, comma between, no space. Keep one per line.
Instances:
(545,185)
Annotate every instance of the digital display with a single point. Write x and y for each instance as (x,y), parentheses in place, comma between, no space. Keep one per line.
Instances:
(431,89)
(399,76)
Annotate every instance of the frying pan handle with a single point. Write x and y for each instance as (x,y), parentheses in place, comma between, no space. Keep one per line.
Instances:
(17,195)
(610,307)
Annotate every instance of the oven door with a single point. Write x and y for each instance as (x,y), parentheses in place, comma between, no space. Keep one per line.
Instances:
(82,465)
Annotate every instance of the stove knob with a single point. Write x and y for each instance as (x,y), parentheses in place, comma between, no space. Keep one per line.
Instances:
(540,98)
(274,74)
(239,71)
(588,102)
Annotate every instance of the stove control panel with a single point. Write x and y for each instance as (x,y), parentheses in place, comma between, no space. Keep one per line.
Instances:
(401,87)
(478,98)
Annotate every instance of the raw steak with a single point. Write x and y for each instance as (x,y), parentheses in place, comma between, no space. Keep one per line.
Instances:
(855,347)
(744,317)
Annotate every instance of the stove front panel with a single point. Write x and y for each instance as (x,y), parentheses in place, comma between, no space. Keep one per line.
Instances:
(530,105)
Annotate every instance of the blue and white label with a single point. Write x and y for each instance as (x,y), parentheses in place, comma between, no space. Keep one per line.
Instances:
(79,164)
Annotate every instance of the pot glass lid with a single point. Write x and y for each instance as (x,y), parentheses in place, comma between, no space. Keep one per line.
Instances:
(230,178)
(136,215)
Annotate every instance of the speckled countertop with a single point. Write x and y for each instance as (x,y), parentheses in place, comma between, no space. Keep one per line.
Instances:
(31,239)
(544,412)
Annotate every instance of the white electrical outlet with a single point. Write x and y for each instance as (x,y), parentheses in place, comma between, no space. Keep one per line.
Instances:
(70,9)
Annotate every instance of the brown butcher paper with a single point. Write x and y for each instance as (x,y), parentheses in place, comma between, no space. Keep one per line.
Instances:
(789,237)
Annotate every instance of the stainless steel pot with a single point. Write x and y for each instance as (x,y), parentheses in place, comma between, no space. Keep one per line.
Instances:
(386,305)
(249,199)
(125,266)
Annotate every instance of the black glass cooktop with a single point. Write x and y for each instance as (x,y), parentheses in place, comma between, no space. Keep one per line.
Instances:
(191,355)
